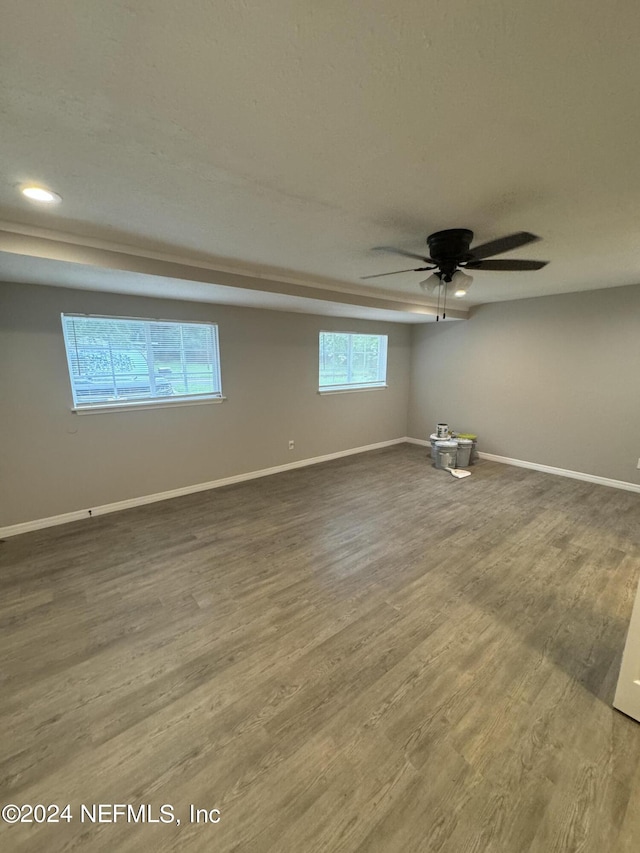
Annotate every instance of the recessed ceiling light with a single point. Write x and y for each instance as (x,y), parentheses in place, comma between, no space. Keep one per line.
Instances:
(41,194)
(460,293)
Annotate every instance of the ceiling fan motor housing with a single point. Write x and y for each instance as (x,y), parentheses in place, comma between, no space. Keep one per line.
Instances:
(450,248)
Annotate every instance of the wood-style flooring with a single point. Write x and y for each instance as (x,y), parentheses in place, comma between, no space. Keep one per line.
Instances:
(365,655)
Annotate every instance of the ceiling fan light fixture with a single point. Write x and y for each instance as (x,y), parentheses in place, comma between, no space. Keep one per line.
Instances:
(462,282)
(430,284)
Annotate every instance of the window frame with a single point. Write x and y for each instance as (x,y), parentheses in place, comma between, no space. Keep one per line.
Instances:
(142,403)
(345,388)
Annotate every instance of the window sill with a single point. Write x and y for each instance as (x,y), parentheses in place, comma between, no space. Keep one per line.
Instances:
(143,405)
(335,390)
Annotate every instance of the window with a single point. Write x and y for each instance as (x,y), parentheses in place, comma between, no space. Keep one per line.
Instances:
(350,361)
(117,361)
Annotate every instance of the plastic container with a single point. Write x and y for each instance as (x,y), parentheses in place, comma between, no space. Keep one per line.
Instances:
(463,456)
(446,452)
(474,439)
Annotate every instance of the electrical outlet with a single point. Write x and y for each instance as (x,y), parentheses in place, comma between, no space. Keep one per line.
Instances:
(292,444)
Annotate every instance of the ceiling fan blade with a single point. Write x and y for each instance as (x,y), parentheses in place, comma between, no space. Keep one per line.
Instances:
(503,244)
(395,272)
(402,252)
(514,266)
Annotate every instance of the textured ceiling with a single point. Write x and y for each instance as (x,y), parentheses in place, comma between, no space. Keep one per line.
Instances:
(294,136)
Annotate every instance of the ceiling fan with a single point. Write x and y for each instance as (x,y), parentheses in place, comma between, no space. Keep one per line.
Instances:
(450,254)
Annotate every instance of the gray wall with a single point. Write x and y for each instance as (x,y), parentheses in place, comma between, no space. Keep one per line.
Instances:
(52,461)
(553,380)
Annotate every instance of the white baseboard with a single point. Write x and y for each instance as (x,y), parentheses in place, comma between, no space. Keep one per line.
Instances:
(548,469)
(79,514)
(563,472)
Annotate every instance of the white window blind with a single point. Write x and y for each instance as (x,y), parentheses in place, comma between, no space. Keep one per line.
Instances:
(351,361)
(115,361)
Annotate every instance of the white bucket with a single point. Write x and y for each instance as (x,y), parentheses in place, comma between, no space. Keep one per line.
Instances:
(446,452)
(433,438)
